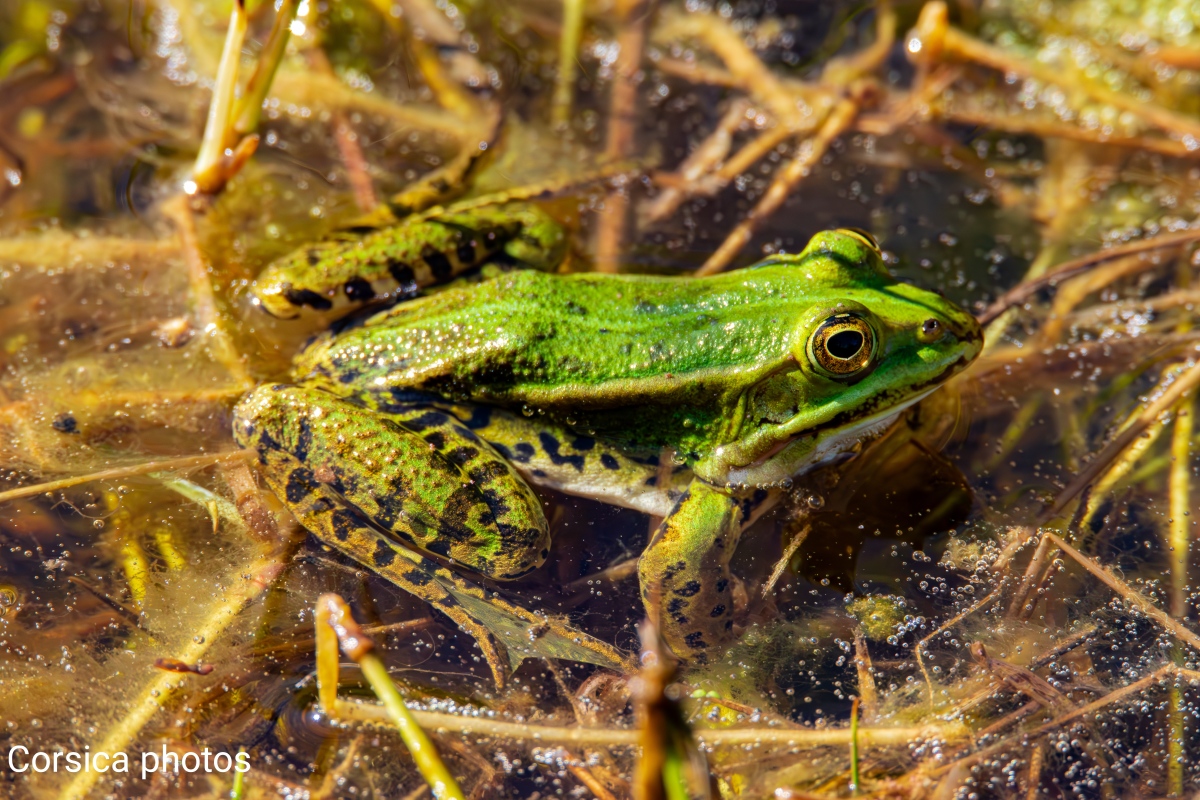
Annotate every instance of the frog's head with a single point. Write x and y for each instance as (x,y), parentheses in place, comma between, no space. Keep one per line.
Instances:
(862,347)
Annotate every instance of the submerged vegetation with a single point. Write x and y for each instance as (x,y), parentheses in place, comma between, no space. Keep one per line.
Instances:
(995,599)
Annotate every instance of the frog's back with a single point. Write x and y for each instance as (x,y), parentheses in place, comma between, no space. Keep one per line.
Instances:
(569,341)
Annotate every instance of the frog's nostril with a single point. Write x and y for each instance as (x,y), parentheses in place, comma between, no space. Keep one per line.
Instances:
(931,330)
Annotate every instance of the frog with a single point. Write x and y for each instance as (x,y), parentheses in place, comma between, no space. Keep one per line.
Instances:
(419,430)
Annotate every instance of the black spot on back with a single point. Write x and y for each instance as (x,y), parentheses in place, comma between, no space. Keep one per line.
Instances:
(673,570)
(359,290)
(401,273)
(689,589)
(609,462)
(717,611)
(524,452)
(307,297)
(439,265)
(65,423)
(695,640)
(583,443)
(436,439)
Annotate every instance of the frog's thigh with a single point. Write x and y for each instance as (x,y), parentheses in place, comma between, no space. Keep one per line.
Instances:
(550,455)
(418,474)
(320,510)
(685,575)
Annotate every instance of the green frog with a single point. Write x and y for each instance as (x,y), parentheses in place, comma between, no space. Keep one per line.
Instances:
(424,425)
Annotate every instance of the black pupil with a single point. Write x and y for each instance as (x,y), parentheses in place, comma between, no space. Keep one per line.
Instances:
(844,344)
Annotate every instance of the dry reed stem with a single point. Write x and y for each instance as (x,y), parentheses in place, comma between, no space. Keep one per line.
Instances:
(170,465)
(1110,314)
(585,777)
(357,169)
(1020,602)
(1171,393)
(1033,778)
(785,559)
(260,522)
(785,181)
(493,728)
(71,251)
(867,692)
(633,17)
(703,74)
(950,623)
(1121,466)
(1074,292)
(933,39)
(568,62)
(1135,598)
(1018,739)
(204,303)
(702,160)
(1026,289)
(744,65)
(1049,129)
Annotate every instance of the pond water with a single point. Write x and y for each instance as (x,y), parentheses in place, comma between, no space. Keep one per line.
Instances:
(999,590)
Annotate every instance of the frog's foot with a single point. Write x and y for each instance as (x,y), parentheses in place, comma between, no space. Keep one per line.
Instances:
(685,574)
(419,475)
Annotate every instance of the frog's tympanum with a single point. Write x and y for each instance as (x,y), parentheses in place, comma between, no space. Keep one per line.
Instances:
(427,422)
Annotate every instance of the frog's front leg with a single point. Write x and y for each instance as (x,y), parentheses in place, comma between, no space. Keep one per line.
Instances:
(685,579)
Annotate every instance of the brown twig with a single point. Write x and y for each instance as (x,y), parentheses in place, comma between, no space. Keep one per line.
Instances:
(633,16)
(1135,598)
(785,182)
(1023,291)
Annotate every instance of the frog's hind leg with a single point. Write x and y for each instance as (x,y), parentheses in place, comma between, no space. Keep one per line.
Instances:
(420,476)
(320,510)
(396,261)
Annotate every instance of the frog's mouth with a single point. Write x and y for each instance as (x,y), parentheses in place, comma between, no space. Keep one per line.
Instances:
(810,449)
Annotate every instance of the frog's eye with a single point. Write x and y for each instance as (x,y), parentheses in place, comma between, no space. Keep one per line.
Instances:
(842,346)
(862,236)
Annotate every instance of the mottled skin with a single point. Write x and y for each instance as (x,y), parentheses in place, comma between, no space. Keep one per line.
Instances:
(748,377)
(361,265)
